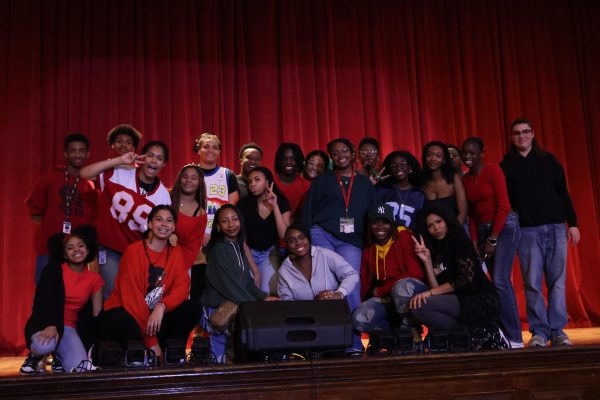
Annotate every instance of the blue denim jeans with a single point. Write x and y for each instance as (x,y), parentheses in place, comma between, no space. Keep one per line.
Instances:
(543,254)
(40,264)
(404,290)
(267,262)
(373,314)
(501,266)
(352,254)
(109,270)
(383,313)
(218,340)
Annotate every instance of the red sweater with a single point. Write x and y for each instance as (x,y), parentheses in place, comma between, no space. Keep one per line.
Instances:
(48,200)
(190,234)
(132,283)
(488,199)
(400,262)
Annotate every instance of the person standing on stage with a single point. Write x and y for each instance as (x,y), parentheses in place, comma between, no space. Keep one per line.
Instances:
(368,155)
(123,139)
(128,196)
(494,229)
(250,157)
(289,164)
(188,196)
(335,210)
(61,199)
(537,190)
(442,185)
(401,189)
(317,162)
(221,183)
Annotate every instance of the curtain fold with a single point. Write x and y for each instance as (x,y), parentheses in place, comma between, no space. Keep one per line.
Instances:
(403,71)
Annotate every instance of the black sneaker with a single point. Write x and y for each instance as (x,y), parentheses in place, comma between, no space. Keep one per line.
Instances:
(33,365)
(57,366)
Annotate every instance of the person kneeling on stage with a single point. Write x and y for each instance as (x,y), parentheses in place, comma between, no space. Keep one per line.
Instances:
(460,294)
(312,272)
(150,299)
(228,279)
(391,274)
(67,300)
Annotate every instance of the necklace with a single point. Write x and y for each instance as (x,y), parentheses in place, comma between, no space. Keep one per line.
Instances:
(402,194)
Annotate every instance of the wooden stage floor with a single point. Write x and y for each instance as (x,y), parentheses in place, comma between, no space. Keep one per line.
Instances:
(572,373)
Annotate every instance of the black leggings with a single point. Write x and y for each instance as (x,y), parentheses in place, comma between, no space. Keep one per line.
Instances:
(198,281)
(117,325)
(440,313)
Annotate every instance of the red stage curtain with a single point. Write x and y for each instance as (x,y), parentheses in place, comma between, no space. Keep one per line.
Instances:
(405,72)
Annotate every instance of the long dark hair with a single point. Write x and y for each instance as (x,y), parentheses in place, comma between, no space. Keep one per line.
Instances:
(200,195)
(454,228)
(296,151)
(448,171)
(217,236)
(415,177)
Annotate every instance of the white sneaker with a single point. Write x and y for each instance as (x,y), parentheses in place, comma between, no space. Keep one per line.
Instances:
(516,345)
(33,365)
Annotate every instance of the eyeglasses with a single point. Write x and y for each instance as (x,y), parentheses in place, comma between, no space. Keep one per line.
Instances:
(369,152)
(523,132)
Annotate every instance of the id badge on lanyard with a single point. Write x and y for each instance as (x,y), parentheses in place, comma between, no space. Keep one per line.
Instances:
(66,227)
(346,223)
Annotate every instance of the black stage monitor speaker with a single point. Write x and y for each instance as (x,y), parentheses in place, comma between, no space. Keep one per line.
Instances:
(269,326)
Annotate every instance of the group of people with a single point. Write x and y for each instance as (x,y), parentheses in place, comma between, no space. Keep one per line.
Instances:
(120,257)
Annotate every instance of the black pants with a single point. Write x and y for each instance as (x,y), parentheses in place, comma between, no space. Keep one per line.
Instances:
(117,325)
(198,282)
(440,312)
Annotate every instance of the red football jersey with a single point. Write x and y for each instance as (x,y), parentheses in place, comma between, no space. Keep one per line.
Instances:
(124,210)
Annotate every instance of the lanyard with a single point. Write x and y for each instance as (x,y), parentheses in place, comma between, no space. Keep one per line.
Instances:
(70,193)
(348,194)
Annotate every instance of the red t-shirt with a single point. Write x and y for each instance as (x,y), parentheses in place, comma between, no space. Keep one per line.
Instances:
(190,234)
(79,287)
(48,200)
(124,210)
(294,192)
(488,199)
(132,283)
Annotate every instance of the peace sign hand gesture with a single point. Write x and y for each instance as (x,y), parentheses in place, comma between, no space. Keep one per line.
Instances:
(131,157)
(271,197)
(421,250)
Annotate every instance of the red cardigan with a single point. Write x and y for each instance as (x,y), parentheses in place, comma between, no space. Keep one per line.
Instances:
(400,262)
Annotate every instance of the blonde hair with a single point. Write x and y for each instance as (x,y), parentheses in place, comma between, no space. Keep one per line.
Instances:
(205,137)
